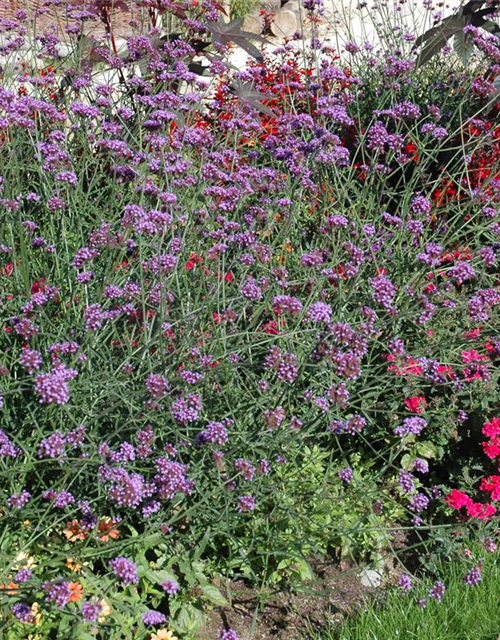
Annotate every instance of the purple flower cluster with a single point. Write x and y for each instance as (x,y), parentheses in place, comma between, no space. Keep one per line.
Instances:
(53,387)
(170,586)
(405,582)
(58,593)
(284,364)
(23,613)
(53,446)
(18,500)
(125,570)
(246,503)
(411,426)
(228,634)
(437,591)
(346,475)
(153,618)
(7,449)
(473,577)
(91,611)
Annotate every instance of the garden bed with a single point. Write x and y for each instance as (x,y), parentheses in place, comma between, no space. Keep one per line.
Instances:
(249,328)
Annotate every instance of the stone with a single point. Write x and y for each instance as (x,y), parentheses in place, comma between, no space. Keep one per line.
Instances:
(370,578)
(285,23)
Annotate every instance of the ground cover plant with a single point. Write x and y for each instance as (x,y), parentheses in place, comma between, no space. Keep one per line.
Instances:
(246,320)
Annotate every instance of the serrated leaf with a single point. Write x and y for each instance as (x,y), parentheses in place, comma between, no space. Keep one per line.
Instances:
(303,568)
(188,619)
(213,595)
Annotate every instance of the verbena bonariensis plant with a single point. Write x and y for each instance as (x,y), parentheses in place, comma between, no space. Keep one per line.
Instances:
(245,320)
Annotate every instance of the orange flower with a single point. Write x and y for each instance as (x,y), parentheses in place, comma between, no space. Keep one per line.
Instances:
(10,588)
(76,591)
(74,531)
(73,565)
(105,529)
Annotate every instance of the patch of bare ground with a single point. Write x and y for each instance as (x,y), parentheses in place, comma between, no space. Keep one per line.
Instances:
(335,593)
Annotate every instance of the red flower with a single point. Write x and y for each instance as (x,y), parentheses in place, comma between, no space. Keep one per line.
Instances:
(38,286)
(457,499)
(7,270)
(416,404)
(410,150)
(473,334)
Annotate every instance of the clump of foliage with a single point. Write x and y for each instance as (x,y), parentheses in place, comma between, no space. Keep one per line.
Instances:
(245,320)
(241,8)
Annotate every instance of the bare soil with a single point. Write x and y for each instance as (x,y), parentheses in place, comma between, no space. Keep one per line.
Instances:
(322,603)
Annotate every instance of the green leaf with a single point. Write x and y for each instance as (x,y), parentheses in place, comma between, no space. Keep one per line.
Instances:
(189,618)
(213,595)
(463,47)
(202,546)
(426,449)
(406,461)
(160,576)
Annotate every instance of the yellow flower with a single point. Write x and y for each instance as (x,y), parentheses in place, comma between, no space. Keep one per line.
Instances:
(73,565)
(36,613)
(163,634)
(24,560)
(105,611)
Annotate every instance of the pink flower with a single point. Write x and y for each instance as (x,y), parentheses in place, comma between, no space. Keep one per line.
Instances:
(473,334)
(492,485)
(472,356)
(491,448)
(492,428)
(457,499)
(480,511)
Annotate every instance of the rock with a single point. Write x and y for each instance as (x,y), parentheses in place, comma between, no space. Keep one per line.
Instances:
(254,23)
(370,578)
(285,23)
(270,6)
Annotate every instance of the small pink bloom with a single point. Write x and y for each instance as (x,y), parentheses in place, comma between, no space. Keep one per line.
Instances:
(491,448)
(472,356)
(492,428)
(457,499)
